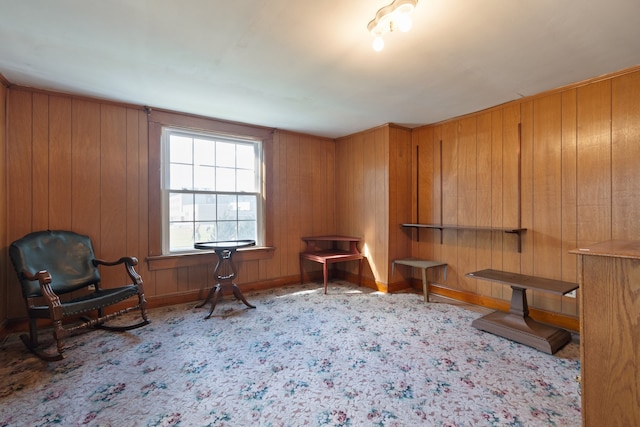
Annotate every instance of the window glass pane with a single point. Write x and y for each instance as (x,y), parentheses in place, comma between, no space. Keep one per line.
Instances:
(204,178)
(225,179)
(180,177)
(247,230)
(227,207)
(206,232)
(246,181)
(180,207)
(181,236)
(247,208)
(246,156)
(180,149)
(227,230)
(204,152)
(205,209)
(226,154)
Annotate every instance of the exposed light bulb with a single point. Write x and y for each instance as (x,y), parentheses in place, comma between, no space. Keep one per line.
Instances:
(403,22)
(378,44)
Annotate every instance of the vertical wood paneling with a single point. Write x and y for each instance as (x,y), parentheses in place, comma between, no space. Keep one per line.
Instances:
(547,195)
(4,264)
(112,150)
(483,198)
(466,204)
(294,192)
(511,215)
(86,165)
(569,211)
(449,171)
(400,197)
(526,185)
(497,199)
(625,152)
(594,163)
(60,176)
(19,205)
(437,205)
(40,161)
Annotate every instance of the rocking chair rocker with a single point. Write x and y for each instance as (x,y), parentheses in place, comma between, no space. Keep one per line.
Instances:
(53,264)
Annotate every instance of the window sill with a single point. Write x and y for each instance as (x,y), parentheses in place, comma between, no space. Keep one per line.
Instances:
(166,262)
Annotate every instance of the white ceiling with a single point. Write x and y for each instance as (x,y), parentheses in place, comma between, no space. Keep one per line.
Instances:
(308,65)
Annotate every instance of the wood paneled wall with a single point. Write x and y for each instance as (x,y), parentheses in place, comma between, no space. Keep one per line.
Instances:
(562,164)
(3,196)
(80,164)
(373,184)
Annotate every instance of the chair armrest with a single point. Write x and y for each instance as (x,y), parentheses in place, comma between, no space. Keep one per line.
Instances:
(129,263)
(53,301)
(123,260)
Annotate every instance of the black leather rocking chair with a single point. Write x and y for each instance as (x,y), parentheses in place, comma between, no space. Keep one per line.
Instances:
(60,280)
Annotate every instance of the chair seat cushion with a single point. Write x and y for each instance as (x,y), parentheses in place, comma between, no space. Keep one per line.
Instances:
(93,301)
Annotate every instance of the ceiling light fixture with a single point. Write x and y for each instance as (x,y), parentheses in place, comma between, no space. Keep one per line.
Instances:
(391,17)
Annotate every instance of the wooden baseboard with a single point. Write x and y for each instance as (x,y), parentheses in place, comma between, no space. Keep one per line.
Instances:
(556,319)
(542,316)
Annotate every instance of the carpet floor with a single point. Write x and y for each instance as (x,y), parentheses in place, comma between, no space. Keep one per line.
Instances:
(353,357)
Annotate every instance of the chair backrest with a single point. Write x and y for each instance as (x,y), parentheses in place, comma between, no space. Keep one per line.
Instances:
(67,256)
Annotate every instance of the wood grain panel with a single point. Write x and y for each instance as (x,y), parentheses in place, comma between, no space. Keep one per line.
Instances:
(400,198)
(497,199)
(293,244)
(511,215)
(526,186)
(60,176)
(19,183)
(569,210)
(483,198)
(547,196)
(625,152)
(7,271)
(85,146)
(594,162)
(466,204)
(437,206)
(111,243)
(610,339)
(450,201)
(40,161)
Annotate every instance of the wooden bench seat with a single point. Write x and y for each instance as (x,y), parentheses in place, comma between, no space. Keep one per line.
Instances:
(516,325)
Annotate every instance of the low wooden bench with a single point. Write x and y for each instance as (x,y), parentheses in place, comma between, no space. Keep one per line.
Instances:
(516,325)
(423,264)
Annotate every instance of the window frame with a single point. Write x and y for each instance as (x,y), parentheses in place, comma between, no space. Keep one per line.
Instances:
(157,120)
(167,131)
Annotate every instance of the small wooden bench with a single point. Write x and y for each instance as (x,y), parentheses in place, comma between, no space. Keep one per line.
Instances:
(315,252)
(423,264)
(516,325)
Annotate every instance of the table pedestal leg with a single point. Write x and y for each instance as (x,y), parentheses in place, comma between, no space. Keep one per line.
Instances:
(224,273)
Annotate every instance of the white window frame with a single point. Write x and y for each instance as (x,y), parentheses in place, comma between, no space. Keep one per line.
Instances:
(166,191)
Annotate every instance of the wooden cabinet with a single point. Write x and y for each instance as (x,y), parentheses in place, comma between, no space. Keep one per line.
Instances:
(609,278)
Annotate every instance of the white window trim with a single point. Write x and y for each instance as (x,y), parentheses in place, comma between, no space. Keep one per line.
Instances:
(164,191)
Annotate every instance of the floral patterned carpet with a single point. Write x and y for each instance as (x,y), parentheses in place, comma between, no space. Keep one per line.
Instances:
(350,358)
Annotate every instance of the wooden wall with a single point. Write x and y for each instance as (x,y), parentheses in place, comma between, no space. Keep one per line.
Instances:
(3,189)
(82,164)
(373,184)
(85,165)
(569,176)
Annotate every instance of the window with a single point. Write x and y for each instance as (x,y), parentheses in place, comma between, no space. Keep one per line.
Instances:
(211,189)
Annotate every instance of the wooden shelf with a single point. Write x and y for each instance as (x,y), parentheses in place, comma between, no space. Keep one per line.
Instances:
(512,230)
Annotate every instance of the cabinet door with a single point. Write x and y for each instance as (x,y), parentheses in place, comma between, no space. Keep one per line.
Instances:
(610,336)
